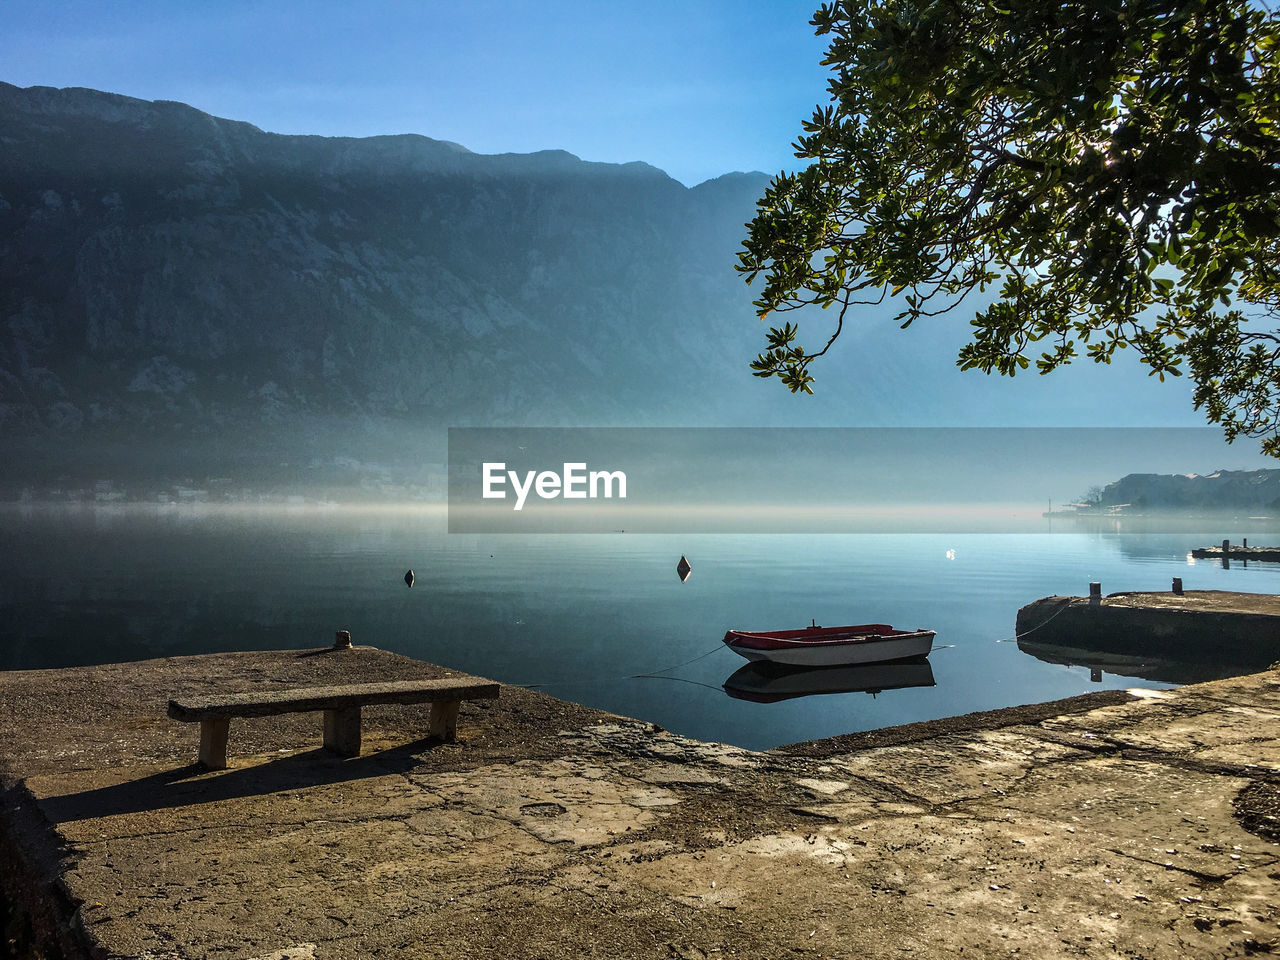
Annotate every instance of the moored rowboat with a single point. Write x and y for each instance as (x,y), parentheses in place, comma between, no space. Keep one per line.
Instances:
(831,646)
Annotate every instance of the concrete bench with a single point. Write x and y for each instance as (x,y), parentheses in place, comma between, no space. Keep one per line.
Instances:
(341,705)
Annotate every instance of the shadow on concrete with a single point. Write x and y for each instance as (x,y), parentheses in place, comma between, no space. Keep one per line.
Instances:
(192,784)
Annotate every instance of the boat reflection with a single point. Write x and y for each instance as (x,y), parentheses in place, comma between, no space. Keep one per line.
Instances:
(763,682)
(1143,668)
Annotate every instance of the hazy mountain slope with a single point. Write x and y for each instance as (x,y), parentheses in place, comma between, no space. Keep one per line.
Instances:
(175,285)
(158,265)
(1223,490)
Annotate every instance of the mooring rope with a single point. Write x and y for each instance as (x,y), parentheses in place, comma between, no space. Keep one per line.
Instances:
(1026,633)
(659,673)
(651,675)
(696,683)
(702,656)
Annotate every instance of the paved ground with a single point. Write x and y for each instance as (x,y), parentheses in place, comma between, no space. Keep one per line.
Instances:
(1198,601)
(1103,827)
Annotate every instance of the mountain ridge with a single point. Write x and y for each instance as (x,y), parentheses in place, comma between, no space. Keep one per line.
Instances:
(1219,490)
(169,272)
(173,283)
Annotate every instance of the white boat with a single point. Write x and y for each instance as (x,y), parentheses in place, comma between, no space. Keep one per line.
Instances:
(816,646)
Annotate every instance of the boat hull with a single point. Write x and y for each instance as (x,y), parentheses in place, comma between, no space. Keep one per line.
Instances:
(832,646)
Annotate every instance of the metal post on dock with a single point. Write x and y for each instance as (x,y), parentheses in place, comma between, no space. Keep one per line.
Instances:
(1095,593)
(1177,585)
(1226,554)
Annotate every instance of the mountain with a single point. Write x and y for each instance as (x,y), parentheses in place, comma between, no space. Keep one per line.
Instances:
(1222,490)
(167,275)
(188,294)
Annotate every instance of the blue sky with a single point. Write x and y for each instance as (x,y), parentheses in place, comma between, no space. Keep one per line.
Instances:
(698,88)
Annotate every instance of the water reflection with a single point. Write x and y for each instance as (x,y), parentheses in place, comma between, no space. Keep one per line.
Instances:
(765,682)
(1141,667)
(91,586)
(1149,539)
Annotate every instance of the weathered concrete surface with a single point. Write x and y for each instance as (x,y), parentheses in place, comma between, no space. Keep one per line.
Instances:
(549,830)
(1215,626)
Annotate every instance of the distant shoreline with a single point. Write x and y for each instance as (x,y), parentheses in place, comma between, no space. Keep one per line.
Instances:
(1194,513)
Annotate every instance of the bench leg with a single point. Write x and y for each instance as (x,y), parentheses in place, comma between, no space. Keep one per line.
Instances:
(213,743)
(342,731)
(444,719)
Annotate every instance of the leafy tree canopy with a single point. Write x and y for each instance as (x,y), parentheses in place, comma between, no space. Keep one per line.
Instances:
(1107,170)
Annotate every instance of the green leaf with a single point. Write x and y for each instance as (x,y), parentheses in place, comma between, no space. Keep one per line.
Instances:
(1087,170)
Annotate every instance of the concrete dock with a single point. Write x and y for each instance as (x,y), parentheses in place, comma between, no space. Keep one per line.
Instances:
(1108,825)
(1237,552)
(1240,631)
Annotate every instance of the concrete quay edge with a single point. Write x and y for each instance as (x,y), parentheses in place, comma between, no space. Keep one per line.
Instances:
(1109,826)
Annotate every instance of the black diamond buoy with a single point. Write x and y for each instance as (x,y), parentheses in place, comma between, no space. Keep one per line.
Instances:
(408,578)
(683,569)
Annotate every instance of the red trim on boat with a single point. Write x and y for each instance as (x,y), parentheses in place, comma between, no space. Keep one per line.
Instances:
(865,633)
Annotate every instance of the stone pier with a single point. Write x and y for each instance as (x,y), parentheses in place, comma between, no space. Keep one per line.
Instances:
(1108,825)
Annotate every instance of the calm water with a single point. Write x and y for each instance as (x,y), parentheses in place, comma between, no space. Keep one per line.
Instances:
(579,615)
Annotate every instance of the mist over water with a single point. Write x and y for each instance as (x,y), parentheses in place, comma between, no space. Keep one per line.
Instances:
(580,615)
(806,480)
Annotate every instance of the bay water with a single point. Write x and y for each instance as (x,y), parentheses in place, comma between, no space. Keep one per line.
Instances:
(602,619)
